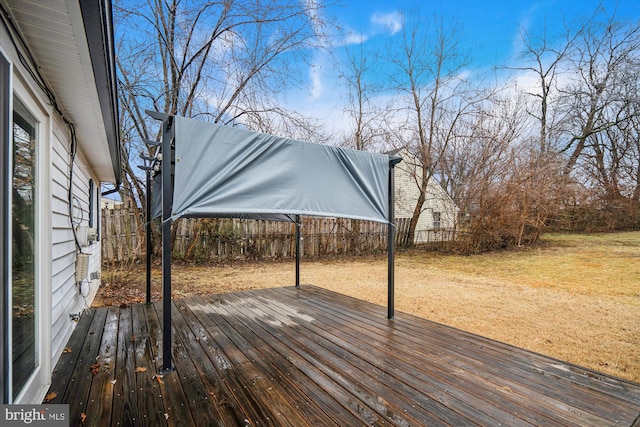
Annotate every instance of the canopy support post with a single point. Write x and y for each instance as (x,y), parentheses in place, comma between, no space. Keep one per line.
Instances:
(167,203)
(297,251)
(391,237)
(148,237)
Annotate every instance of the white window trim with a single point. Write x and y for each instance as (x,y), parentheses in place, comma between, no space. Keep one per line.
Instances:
(36,386)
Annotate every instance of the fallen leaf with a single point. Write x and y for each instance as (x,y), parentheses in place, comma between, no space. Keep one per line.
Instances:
(159,378)
(67,350)
(166,416)
(113,381)
(95,368)
(49,397)
(83,417)
(141,369)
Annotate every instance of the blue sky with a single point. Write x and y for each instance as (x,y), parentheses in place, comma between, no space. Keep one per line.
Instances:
(489,32)
(489,27)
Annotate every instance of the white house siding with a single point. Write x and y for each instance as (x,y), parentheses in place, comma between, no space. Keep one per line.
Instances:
(437,200)
(59,295)
(66,298)
(64,45)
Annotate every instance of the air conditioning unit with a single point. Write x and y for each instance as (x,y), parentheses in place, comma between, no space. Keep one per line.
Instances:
(86,235)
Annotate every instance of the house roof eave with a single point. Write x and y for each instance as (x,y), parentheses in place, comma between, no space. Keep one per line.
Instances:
(98,22)
(70,51)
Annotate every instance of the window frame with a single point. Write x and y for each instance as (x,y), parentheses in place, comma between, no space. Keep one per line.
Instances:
(436,223)
(6,111)
(36,384)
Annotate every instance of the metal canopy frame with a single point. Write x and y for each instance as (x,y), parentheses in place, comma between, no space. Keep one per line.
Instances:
(157,165)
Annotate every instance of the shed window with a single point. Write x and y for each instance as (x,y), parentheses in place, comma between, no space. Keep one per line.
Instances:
(436,220)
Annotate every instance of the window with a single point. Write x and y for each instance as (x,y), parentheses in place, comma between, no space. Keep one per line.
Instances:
(94,208)
(5,216)
(23,249)
(91,202)
(436,220)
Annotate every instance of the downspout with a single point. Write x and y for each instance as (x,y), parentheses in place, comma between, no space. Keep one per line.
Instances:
(113,190)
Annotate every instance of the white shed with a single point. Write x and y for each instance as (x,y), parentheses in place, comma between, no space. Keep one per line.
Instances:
(439,213)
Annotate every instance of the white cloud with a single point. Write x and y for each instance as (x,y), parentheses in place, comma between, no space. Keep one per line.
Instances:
(523,29)
(315,76)
(311,10)
(354,38)
(390,22)
(465,74)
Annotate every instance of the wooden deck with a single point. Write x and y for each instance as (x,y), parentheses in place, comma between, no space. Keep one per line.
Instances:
(309,356)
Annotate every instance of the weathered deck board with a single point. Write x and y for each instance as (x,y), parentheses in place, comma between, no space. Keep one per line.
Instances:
(124,402)
(385,375)
(149,405)
(253,377)
(63,372)
(78,385)
(176,402)
(477,367)
(312,357)
(101,393)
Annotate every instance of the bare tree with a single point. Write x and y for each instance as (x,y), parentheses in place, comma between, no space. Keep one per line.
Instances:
(631,164)
(601,94)
(546,62)
(367,115)
(496,176)
(480,155)
(434,97)
(224,61)
(584,98)
(601,108)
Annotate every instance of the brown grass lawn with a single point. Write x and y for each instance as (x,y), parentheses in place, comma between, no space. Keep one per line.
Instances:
(575,297)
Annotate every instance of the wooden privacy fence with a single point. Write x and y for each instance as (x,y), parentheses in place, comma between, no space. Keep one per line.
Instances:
(213,239)
(219,239)
(121,234)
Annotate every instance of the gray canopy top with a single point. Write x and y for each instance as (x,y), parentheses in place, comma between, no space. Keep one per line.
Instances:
(220,171)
